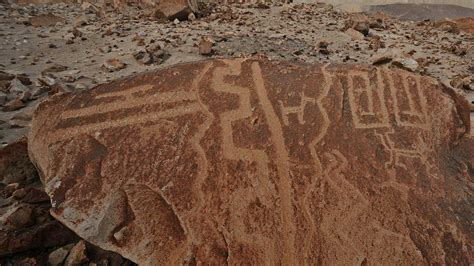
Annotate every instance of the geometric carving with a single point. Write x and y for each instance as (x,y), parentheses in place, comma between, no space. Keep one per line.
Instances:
(206,153)
(409,100)
(367,101)
(299,110)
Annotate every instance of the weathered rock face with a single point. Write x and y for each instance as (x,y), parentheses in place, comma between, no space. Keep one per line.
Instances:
(253,161)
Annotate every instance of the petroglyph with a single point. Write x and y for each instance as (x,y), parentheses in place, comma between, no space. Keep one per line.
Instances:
(283,167)
(325,122)
(367,102)
(244,111)
(409,100)
(419,150)
(251,161)
(299,110)
(130,102)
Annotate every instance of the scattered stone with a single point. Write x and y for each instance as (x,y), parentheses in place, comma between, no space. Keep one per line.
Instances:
(20,217)
(54,68)
(34,195)
(362,27)
(143,57)
(406,63)
(6,76)
(355,35)
(205,46)
(383,58)
(463,82)
(25,96)
(323,47)
(17,88)
(10,189)
(46,79)
(3,98)
(113,64)
(80,21)
(45,20)
(13,105)
(19,194)
(277,36)
(57,257)
(77,255)
(24,79)
(76,33)
(40,91)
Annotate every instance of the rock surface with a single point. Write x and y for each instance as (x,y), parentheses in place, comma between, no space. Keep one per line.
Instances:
(251,161)
(29,235)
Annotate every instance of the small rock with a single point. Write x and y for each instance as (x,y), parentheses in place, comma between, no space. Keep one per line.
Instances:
(277,36)
(106,49)
(19,194)
(13,105)
(3,98)
(81,20)
(54,68)
(380,59)
(25,96)
(17,88)
(323,47)
(39,91)
(24,79)
(21,217)
(81,86)
(9,189)
(77,33)
(6,76)
(205,46)
(406,63)
(191,17)
(355,35)
(362,27)
(58,256)
(462,82)
(35,195)
(143,57)
(113,64)
(47,80)
(77,255)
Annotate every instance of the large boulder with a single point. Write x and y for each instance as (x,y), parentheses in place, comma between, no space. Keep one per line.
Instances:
(250,161)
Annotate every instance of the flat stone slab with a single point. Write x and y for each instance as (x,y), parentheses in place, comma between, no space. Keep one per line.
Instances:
(250,161)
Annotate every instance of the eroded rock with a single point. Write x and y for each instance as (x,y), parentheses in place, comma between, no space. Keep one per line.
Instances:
(249,161)
(28,233)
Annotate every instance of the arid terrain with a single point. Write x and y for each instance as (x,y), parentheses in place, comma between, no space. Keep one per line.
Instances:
(239,133)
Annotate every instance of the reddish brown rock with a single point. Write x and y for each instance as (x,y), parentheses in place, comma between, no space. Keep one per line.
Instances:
(205,46)
(176,9)
(259,162)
